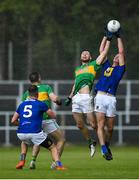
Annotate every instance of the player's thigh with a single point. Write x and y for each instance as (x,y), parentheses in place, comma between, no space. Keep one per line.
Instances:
(76,103)
(38,138)
(91,119)
(79,118)
(86,104)
(50,126)
(76,107)
(100,103)
(101,120)
(58,135)
(25,138)
(111,110)
(110,122)
(47,143)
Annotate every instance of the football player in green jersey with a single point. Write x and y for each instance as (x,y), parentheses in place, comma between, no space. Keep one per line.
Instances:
(50,126)
(81,93)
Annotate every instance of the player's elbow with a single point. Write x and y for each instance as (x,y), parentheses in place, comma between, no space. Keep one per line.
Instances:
(14,122)
(51,114)
(58,101)
(121,52)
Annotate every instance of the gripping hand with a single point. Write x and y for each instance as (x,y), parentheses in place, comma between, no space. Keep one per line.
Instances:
(118,33)
(67,101)
(108,34)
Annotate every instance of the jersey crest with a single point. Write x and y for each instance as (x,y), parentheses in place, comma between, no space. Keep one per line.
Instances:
(108,71)
(87,69)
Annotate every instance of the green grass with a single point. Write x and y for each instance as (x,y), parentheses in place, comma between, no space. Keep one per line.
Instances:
(80,166)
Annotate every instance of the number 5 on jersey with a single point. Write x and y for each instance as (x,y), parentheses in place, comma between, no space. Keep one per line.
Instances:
(27,111)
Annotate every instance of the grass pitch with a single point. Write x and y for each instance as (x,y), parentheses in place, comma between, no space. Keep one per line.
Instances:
(80,165)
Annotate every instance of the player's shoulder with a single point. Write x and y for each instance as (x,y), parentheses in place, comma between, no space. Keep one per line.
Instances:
(43,86)
(41,103)
(38,101)
(121,66)
(25,93)
(34,101)
(106,63)
(92,61)
(77,67)
(25,102)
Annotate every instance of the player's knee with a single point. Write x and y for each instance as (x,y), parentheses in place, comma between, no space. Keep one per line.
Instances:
(62,140)
(100,125)
(93,125)
(59,137)
(110,129)
(80,125)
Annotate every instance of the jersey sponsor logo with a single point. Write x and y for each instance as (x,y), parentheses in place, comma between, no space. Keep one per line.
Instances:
(108,71)
(88,69)
(26,122)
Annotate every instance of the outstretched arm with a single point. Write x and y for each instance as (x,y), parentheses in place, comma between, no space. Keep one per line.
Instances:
(121,51)
(102,45)
(55,98)
(104,53)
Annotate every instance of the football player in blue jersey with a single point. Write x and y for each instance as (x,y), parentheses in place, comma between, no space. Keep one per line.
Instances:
(105,100)
(30,115)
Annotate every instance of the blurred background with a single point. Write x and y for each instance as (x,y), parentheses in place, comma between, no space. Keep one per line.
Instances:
(48,36)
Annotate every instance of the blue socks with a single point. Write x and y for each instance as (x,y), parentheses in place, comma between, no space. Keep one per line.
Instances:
(59,163)
(104,149)
(22,157)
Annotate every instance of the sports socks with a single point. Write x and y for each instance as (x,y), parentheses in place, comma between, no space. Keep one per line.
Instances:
(59,163)
(107,144)
(34,158)
(22,157)
(104,149)
(90,141)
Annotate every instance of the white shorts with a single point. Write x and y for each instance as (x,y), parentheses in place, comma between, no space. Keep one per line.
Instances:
(35,138)
(50,125)
(82,103)
(105,104)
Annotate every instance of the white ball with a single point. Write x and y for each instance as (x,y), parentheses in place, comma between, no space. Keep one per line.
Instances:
(113,25)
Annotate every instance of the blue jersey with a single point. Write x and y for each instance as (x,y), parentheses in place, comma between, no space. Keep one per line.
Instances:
(110,78)
(31,115)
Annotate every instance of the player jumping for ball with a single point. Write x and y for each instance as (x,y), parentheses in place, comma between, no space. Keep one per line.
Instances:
(105,100)
(81,93)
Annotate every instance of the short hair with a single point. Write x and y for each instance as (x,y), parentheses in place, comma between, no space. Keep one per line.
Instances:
(33,90)
(34,77)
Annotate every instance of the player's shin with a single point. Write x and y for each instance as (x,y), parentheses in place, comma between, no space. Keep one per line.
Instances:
(57,163)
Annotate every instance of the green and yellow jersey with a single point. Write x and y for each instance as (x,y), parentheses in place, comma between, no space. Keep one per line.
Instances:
(85,75)
(43,95)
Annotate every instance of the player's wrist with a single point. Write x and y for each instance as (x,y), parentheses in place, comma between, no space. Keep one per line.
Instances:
(109,38)
(68,101)
(58,101)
